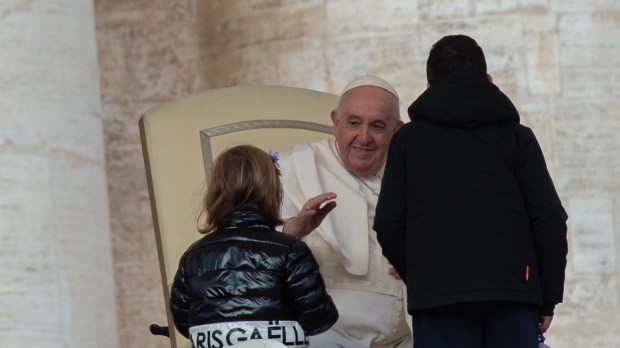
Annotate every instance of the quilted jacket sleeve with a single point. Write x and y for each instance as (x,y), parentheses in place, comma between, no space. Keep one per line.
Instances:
(317,311)
(179,302)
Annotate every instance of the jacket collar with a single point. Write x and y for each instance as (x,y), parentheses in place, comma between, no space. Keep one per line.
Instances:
(249,215)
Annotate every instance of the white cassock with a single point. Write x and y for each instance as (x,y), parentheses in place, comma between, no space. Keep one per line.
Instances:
(371,302)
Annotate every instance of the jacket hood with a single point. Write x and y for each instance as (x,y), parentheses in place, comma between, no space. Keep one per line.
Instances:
(460,100)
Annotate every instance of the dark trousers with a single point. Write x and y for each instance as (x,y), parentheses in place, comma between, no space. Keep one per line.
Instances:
(477,325)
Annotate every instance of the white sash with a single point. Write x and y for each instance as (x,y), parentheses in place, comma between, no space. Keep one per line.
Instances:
(221,335)
(318,170)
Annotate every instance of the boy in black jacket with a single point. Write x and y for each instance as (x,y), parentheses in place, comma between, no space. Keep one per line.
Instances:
(468,214)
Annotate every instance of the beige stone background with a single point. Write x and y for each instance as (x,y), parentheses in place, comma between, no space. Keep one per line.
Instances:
(78,261)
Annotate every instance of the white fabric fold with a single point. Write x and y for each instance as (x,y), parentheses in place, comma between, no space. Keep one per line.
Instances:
(318,169)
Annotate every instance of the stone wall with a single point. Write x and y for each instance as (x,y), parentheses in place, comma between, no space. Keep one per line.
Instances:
(57,282)
(148,54)
(556,59)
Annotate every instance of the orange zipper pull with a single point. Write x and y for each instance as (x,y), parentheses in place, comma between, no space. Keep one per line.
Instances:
(527,273)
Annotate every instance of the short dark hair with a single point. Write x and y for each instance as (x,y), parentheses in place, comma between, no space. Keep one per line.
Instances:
(242,175)
(455,53)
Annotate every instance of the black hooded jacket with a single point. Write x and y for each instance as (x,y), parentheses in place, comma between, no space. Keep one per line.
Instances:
(468,211)
(248,271)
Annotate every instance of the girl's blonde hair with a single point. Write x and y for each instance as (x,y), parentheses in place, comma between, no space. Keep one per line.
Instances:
(241,175)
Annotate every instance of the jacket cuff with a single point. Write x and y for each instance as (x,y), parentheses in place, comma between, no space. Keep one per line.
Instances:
(547,310)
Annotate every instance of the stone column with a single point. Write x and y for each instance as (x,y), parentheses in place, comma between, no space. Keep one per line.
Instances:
(57,284)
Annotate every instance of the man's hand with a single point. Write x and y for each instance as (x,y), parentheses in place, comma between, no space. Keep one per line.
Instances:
(311,215)
(545,322)
(393,273)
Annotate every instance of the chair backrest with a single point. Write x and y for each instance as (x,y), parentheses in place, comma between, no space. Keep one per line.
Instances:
(180,138)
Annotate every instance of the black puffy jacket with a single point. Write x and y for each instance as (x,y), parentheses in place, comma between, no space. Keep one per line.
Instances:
(248,271)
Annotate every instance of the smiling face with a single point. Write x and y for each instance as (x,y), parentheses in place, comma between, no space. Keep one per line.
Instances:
(364,123)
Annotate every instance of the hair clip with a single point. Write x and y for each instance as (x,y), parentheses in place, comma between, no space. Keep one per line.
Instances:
(275,157)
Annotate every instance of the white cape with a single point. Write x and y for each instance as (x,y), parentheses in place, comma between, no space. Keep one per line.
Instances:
(314,168)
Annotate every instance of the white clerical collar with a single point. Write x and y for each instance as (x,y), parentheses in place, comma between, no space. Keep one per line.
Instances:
(377,176)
